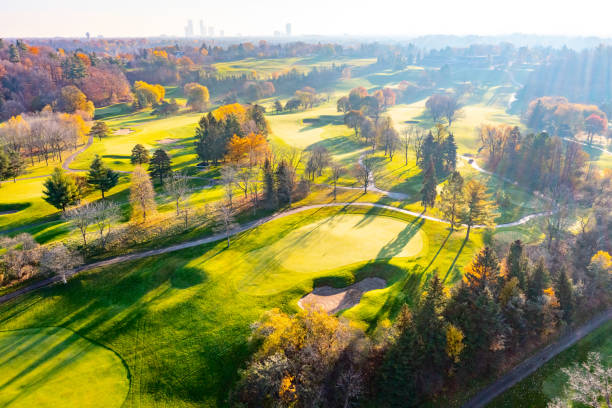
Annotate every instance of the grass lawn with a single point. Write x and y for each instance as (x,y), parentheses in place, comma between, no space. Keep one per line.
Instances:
(264,68)
(548,381)
(51,367)
(181,321)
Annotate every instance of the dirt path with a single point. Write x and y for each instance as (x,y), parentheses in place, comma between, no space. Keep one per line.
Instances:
(531,364)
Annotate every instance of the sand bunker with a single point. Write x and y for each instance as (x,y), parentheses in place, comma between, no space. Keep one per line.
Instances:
(333,300)
(122,132)
(167,141)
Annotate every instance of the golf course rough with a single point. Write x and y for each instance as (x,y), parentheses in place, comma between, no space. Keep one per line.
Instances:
(55,367)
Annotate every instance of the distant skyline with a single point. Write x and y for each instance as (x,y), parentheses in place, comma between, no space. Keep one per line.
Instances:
(140,18)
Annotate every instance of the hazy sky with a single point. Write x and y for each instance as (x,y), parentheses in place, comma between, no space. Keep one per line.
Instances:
(29,18)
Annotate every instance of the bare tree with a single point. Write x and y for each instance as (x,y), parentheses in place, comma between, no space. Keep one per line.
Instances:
(82,217)
(364,170)
(104,213)
(224,219)
(58,260)
(228,178)
(244,176)
(589,383)
(337,172)
(418,137)
(177,187)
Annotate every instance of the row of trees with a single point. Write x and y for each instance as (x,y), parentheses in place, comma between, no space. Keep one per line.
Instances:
(43,136)
(559,117)
(538,161)
(444,341)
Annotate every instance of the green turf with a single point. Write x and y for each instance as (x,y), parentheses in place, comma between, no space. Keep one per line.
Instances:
(52,367)
(548,381)
(181,321)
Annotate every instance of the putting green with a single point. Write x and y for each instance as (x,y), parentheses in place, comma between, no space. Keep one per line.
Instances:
(345,239)
(55,367)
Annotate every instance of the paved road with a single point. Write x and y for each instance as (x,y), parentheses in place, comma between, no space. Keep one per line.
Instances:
(531,364)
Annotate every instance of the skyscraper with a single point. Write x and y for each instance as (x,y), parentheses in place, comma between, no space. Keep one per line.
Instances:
(189,29)
(288,29)
(211,31)
(202,29)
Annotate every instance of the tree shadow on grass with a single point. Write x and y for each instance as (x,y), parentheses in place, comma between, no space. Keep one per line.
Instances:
(396,245)
(337,145)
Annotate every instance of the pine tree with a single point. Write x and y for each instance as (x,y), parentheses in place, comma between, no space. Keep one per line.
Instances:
(452,199)
(4,165)
(14,56)
(538,281)
(565,294)
(428,192)
(257,114)
(428,150)
(269,187)
(60,190)
(99,129)
(430,326)
(516,264)
(278,106)
(483,272)
(160,165)
(284,183)
(15,165)
(449,152)
(478,207)
(140,155)
(101,176)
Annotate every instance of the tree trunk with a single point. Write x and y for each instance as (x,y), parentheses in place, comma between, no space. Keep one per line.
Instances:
(468,232)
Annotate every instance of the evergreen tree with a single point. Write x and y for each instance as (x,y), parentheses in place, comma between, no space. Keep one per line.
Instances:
(60,190)
(278,106)
(430,326)
(4,165)
(538,281)
(428,192)
(483,272)
(15,165)
(452,199)
(516,264)
(449,152)
(478,207)
(101,176)
(257,114)
(99,129)
(284,183)
(14,56)
(160,165)
(428,150)
(269,194)
(565,294)
(140,155)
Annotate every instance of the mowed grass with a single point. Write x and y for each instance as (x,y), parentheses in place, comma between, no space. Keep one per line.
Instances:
(181,321)
(174,134)
(264,68)
(548,381)
(52,367)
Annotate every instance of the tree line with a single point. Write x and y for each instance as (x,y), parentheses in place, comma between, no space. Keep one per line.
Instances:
(442,343)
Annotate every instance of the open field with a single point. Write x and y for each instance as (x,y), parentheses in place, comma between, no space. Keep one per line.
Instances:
(181,321)
(53,366)
(548,381)
(264,68)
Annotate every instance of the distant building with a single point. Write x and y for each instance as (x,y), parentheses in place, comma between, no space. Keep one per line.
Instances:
(87,35)
(211,31)
(221,33)
(288,29)
(202,29)
(277,33)
(189,29)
